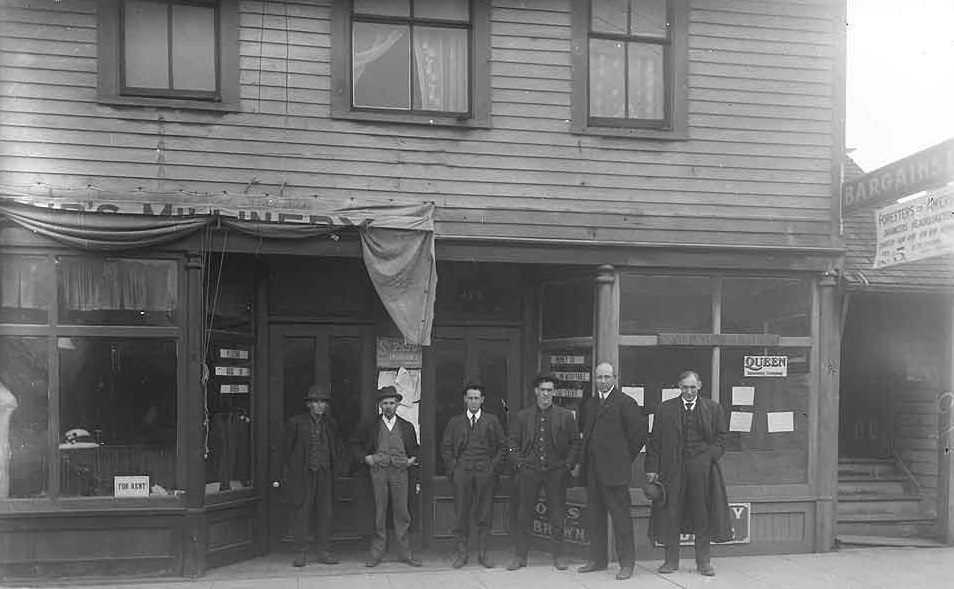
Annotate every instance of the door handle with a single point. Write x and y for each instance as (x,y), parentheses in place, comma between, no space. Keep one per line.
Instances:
(276,484)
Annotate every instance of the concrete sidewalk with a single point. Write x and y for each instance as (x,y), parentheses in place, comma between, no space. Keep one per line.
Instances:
(868,568)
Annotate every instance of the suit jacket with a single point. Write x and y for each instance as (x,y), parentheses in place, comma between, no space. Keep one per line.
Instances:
(613,435)
(365,438)
(458,431)
(296,440)
(563,431)
(664,455)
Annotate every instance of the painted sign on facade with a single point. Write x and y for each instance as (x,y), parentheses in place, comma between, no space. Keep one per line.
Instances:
(573,530)
(915,230)
(765,366)
(740,515)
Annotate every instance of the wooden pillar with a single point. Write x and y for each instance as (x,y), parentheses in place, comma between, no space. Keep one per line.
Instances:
(194,531)
(606,338)
(945,451)
(829,355)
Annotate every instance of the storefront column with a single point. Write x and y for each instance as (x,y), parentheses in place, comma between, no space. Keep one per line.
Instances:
(606,338)
(194,531)
(945,451)
(826,446)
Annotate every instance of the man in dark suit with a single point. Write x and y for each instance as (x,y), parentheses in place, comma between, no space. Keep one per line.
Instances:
(308,474)
(689,437)
(544,447)
(473,449)
(387,445)
(614,431)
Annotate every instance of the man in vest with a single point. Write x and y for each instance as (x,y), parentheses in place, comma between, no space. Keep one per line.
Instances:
(388,447)
(472,450)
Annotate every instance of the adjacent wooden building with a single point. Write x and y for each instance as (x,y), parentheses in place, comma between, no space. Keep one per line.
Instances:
(652,183)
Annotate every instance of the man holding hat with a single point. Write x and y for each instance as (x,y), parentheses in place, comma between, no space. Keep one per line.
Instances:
(308,473)
(387,445)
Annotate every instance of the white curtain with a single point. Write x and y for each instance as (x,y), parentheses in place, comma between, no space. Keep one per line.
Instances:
(441,59)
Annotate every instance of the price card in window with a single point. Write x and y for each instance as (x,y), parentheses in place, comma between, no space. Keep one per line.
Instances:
(131,486)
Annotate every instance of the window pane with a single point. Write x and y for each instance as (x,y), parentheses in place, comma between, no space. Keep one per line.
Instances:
(444,9)
(117,291)
(381,66)
(230,293)
(568,309)
(766,305)
(607,79)
(647,86)
(441,66)
(24,449)
(193,48)
(657,369)
(665,304)
(24,289)
(609,16)
(762,457)
(649,18)
(382,7)
(573,369)
(146,50)
(117,414)
(228,397)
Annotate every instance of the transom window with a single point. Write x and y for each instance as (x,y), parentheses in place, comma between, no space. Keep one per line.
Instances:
(411,55)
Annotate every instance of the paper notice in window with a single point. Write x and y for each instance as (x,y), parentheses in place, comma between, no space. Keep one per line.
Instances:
(743,396)
(637,393)
(669,394)
(386,378)
(740,421)
(781,421)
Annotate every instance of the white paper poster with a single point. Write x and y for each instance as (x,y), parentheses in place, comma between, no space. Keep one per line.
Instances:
(670,394)
(386,378)
(651,416)
(412,414)
(781,421)
(740,421)
(408,383)
(637,393)
(743,396)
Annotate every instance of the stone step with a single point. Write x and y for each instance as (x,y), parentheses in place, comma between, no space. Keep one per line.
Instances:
(873,468)
(895,486)
(900,507)
(882,525)
(850,541)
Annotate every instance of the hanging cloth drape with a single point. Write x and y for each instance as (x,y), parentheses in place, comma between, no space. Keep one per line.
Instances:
(397,241)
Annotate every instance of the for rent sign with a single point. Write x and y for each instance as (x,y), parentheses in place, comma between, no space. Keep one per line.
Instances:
(915,230)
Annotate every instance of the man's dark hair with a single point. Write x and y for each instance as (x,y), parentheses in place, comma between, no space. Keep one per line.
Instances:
(475,387)
(542,378)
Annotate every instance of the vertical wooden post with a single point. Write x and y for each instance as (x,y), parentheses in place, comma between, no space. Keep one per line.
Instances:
(606,338)
(829,355)
(194,532)
(945,451)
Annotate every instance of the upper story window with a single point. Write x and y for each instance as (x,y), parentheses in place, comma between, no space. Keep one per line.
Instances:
(630,69)
(180,53)
(411,61)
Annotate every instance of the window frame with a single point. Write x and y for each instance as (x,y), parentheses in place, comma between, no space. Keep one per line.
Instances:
(479,74)
(111,71)
(675,57)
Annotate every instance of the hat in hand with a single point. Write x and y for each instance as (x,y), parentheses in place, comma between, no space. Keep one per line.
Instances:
(317,392)
(655,491)
(389,392)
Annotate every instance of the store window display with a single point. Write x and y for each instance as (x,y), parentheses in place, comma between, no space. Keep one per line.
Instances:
(23,417)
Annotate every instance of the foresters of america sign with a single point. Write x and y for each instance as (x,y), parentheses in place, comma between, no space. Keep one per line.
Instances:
(914,230)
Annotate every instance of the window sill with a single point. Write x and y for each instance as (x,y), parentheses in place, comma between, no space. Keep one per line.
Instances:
(144,101)
(39,505)
(414,119)
(631,132)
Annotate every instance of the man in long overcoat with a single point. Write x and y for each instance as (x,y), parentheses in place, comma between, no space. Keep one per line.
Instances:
(544,447)
(387,446)
(308,474)
(473,449)
(614,431)
(689,437)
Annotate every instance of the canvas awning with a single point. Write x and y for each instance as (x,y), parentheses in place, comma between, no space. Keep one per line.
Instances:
(397,241)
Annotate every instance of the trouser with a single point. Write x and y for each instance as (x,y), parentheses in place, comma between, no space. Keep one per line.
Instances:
(615,500)
(390,483)
(473,490)
(692,508)
(529,482)
(319,485)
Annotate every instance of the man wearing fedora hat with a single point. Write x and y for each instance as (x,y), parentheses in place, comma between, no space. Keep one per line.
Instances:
(387,445)
(308,474)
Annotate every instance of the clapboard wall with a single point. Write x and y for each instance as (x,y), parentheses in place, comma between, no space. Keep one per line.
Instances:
(764,112)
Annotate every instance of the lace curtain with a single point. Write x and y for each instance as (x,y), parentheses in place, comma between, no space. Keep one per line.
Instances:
(23,283)
(113,285)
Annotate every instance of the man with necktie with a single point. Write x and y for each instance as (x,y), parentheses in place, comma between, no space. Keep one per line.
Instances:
(689,437)
(614,431)
(473,449)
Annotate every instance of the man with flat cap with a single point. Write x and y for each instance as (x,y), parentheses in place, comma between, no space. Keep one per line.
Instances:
(387,446)
(308,474)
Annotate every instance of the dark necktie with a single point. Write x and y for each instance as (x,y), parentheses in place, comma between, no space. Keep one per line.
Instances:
(473,421)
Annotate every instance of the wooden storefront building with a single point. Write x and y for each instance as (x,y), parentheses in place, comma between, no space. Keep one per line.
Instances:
(652,183)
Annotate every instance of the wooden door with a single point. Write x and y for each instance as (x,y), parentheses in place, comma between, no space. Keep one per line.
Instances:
(339,356)
(459,356)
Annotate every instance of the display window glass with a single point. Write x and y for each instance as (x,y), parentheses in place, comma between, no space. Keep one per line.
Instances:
(25,289)
(567,309)
(651,374)
(572,368)
(108,291)
(228,427)
(24,417)
(665,304)
(781,306)
(117,416)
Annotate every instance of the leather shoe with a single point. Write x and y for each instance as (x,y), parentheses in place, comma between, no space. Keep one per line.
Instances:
(591,567)
(372,562)
(460,560)
(667,568)
(327,557)
(706,570)
(301,560)
(559,563)
(517,562)
(413,562)
(624,573)
(486,559)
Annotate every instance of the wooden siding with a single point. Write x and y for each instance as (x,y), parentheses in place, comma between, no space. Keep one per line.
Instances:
(755,171)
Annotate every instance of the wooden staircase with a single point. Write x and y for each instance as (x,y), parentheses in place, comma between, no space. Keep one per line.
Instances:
(878,504)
